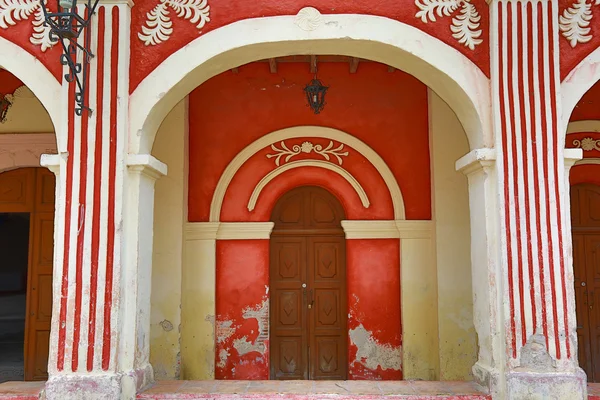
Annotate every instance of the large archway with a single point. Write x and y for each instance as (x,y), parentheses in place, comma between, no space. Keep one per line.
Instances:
(446,71)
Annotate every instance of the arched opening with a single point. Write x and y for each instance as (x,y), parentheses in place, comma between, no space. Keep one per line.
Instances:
(396,132)
(27,197)
(584,178)
(307,279)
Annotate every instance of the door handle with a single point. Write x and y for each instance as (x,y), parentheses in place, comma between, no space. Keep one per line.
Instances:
(311,299)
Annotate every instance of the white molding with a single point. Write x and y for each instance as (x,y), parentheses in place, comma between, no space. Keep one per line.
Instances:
(227,230)
(308,163)
(361,229)
(447,71)
(588,161)
(415,229)
(588,125)
(306,131)
(572,156)
(25,149)
(475,160)
(52,162)
(147,164)
(388,229)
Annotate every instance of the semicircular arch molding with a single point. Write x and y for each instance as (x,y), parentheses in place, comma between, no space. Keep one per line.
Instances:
(456,79)
(315,132)
(38,79)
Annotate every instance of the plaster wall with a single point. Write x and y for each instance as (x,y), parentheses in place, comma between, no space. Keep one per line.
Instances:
(167,257)
(450,206)
(26,115)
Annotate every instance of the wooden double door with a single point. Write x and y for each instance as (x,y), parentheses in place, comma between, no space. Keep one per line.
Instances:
(31,191)
(308,324)
(585,217)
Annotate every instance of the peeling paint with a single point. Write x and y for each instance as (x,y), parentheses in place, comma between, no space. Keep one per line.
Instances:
(243,346)
(166,325)
(261,314)
(373,354)
(224,330)
(223,354)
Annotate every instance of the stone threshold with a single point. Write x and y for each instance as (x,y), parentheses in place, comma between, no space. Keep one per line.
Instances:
(295,390)
(313,390)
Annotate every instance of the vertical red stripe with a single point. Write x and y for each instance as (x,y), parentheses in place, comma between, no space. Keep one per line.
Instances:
(541,55)
(504,120)
(97,186)
(528,137)
(555,145)
(83,163)
(60,361)
(516,76)
(111,189)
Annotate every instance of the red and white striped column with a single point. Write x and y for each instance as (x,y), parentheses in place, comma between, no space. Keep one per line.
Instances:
(89,349)
(535,242)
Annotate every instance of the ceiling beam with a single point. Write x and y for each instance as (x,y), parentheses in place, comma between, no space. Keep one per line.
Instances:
(354,64)
(273,65)
(391,69)
(313,64)
(235,70)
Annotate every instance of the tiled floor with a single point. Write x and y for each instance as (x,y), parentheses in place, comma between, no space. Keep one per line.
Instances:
(312,390)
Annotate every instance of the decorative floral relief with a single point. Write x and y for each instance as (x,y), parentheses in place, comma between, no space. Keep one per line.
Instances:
(309,19)
(307,147)
(465,22)
(575,21)
(159,27)
(13,11)
(587,144)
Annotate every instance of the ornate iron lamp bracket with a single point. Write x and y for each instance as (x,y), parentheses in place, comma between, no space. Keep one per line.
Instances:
(67,26)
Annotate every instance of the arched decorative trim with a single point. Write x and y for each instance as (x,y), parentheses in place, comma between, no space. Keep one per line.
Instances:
(456,79)
(588,161)
(38,79)
(577,83)
(306,131)
(25,149)
(308,163)
(590,125)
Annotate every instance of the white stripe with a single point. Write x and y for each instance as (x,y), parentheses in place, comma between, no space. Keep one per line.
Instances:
(534,181)
(510,178)
(546,157)
(521,252)
(89,201)
(75,213)
(106,100)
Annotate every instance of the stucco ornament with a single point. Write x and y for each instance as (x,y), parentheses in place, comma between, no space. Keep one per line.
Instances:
(13,11)
(159,27)
(309,19)
(587,144)
(307,147)
(465,22)
(574,23)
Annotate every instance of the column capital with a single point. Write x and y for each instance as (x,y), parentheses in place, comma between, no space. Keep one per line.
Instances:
(52,162)
(147,165)
(476,160)
(572,156)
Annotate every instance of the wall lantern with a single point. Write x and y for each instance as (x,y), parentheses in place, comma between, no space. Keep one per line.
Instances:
(315,94)
(66,25)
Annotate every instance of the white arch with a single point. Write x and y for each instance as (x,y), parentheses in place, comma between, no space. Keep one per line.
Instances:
(577,83)
(364,199)
(306,131)
(38,79)
(457,80)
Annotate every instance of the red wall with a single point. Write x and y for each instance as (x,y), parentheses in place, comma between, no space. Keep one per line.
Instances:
(387,111)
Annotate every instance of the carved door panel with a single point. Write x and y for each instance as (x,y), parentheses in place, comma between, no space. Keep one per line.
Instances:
(308,332)
(585,220)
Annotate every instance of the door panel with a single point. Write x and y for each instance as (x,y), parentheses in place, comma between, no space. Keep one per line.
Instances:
(17,190)
(308,287)
(585,220)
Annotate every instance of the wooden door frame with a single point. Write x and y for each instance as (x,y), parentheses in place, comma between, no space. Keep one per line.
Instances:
(310,234)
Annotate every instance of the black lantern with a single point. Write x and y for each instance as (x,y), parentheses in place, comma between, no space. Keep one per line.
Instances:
(315,94)
(67,26)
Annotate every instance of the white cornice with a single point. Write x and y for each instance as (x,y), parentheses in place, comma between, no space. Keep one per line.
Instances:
(475,160)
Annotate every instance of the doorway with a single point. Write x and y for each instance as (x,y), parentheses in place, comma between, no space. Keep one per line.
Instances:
(26,255)
(585,217)
(308,318)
